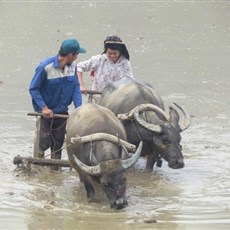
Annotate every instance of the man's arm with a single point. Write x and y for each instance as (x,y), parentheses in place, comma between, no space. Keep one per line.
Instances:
(77,97)
(35,87)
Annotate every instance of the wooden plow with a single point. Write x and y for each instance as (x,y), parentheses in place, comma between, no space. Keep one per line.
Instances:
(50,162)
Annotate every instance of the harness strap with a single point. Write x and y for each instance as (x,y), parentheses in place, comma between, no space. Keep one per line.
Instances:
(138,134)
(91,153)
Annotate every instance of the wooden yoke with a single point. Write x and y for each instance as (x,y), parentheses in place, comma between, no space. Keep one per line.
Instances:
(104,136)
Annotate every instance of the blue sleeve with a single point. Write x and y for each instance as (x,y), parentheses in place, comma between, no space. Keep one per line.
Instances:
(35,87)
(77,97)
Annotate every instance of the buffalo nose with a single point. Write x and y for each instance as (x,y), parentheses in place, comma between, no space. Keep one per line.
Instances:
(119,204)
(180,163)
(119,201)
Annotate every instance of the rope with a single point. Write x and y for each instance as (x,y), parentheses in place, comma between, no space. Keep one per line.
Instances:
(138,134)
(91,152)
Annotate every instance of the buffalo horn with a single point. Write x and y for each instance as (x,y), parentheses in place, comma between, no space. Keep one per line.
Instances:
(157,109)
(96,170)
(152,127)
(143,107)
(132,160)
(184,122)
(91,170)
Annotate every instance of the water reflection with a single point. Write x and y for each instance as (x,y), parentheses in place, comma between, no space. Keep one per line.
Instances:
(65,199)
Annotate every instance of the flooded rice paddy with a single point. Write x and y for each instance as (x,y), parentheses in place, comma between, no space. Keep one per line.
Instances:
(183,49)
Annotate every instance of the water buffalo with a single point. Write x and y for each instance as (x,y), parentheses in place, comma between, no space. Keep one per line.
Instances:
(143,115)
(98,151)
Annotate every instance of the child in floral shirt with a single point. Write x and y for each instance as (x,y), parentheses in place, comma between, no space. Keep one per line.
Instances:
(112,65)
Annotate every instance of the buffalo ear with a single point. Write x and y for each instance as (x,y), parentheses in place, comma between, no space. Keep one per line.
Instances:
(174,117)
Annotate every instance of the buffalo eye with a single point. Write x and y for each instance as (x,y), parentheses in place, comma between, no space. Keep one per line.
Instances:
(107,185)
(123,181)
(165,140)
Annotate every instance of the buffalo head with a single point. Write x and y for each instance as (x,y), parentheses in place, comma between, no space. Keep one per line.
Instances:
(111,175)
(161,130)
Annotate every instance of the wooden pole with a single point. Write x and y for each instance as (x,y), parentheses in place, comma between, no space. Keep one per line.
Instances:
(41,161)
(55,115)
(90,92)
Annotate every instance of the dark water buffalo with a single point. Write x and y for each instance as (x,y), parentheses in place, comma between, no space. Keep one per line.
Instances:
(143,115)
(98,151)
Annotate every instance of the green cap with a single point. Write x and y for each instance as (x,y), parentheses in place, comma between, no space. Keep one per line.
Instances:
(71,46)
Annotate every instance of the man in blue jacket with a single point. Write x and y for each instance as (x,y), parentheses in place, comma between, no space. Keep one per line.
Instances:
(53,88)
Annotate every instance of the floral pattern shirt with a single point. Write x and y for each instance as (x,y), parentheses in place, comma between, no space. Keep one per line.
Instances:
(105,71)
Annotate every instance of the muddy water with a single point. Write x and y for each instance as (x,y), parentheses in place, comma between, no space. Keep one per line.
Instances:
(183,49)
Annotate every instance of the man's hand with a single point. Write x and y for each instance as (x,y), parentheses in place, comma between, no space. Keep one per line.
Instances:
(83,89)
(47,113)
